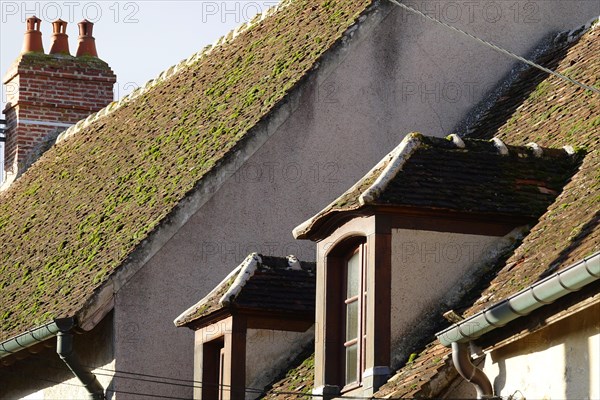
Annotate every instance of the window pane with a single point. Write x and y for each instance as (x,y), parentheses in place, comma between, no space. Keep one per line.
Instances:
(353,281)
(352,321)
(351,363)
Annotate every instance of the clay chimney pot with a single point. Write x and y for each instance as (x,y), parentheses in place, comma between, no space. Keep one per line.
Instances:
(87,43)
(60,39)
(33,36)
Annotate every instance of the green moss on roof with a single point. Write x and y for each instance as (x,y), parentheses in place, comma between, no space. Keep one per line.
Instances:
(299,378)
(570,229)
(82,209)
(413,379)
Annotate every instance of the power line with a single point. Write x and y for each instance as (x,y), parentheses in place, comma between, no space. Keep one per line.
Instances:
(187,383)
(497,48)
(107,390)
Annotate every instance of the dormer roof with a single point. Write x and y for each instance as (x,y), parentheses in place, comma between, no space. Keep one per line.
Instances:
(454,174)
(260,283)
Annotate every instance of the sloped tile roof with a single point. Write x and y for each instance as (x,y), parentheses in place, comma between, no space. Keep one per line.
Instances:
(299,378)
(81,210)
(450,174)
(416,378)
(261,283)
(551,111)
(558,112)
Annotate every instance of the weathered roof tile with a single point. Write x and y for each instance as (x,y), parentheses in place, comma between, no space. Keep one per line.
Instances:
(474,177)
(76,215)
(262,283)
(569,230)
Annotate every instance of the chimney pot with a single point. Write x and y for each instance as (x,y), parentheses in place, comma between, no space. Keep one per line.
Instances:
(33,36)
(87,43)
(60,39)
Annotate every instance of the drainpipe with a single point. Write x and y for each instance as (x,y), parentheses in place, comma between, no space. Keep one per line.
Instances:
(461,357)
(61,328)
(64,348)
(546,291)
(539,294)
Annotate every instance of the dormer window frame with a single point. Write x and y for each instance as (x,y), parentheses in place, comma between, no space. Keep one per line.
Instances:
(330,359)
(360,298)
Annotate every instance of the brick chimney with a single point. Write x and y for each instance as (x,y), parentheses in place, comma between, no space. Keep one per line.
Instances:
(47,93)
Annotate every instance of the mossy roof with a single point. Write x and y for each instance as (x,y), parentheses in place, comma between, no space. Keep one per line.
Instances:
(299,378)
(549,111)
(472,176)
(77,214)
(556,112)
(552,113)
(273,286)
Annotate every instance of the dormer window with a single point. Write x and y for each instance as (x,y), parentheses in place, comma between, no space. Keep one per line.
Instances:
(344,310)
(247,328)
(404,238)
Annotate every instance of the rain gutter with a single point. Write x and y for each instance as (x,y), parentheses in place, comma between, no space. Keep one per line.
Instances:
(542,293)
(524,302)
(62,329)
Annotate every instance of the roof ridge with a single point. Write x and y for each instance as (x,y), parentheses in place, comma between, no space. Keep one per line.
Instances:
(170,72)
(180,319)
(382,164)
(544,52)
(505,148)
(400,155)
(383,176)
(246,271)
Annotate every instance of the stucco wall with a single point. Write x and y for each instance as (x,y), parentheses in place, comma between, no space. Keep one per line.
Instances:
(561,361)
(425,266)
(356,107)
(44,376)
(269,352)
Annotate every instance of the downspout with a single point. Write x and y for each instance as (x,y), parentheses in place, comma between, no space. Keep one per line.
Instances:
(461,357)
(544,292)
(61,328)
(64,348)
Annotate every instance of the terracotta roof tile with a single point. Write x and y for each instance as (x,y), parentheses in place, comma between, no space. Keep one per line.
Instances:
(557,112)
(434,173)
(552,113)
(299,378)
(81,210)
(414,379)
(272,285)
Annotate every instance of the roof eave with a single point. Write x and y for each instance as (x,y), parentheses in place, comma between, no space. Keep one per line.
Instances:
(544,292)
(37,335)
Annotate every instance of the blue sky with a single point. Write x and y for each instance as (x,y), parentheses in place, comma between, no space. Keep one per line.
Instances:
(138,39)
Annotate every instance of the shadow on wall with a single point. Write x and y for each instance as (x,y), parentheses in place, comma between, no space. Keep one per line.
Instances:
(497,108)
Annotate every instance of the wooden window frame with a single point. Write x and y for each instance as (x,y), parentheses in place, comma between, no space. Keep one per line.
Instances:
(213,368)
(336,270)
(361,298)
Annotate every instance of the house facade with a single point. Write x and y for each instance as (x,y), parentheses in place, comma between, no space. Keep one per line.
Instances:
(221,156)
